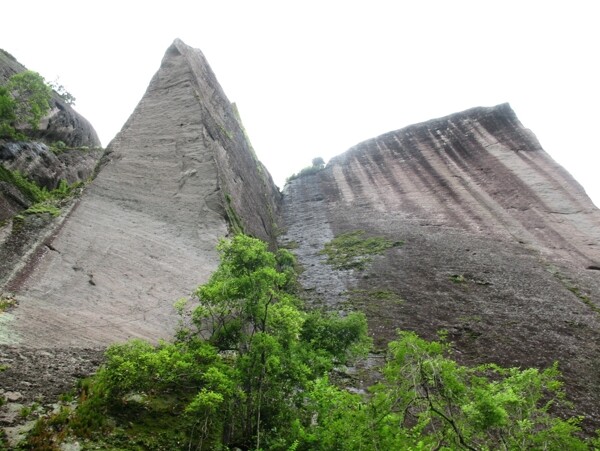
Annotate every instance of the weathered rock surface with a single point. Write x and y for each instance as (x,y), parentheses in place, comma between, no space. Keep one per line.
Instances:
(145,231)
(498,242)
(176,178)
(36,161)
(63,123)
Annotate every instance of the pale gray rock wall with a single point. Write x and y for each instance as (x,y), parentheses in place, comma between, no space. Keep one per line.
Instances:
(144,233)
(472,195)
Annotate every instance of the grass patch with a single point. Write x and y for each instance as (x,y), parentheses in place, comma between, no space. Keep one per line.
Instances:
(352,250)
(584,298)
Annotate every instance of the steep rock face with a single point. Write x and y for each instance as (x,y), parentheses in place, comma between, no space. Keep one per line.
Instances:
(63,123)
(144,233)
(501,248)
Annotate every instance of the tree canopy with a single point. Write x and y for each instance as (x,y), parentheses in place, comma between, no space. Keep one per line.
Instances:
(24,101)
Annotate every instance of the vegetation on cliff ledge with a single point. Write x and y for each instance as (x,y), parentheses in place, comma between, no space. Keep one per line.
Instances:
(42,199)
(250,368)
(352,251)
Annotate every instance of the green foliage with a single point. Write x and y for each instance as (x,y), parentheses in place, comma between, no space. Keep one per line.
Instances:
(27,187)
(248,370)
(318,164)
(7,113)
(44,201)
(240,366)
(351,251)
(458,278)
(6,302)
(428,401)
(31,98)
(41,208)
(58,147)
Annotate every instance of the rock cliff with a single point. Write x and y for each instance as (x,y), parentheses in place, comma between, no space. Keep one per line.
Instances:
(174,180)
(501,245)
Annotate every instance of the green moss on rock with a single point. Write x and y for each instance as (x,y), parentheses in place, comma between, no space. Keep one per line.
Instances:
(352,250)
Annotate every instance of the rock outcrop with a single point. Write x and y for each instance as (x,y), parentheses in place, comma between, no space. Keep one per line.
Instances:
(47,168)
(63,123)
(502,246)
(176,178)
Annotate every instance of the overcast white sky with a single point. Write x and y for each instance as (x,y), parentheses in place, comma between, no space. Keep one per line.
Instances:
(313,78)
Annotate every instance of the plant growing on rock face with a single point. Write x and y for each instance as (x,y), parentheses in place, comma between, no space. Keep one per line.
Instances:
(7,113)
(250,370)
(352,251)
(239,371)
(62,92)
(318,164)
(25,99)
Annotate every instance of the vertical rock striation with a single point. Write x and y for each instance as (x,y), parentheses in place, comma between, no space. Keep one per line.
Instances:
(144,234)
(500,243)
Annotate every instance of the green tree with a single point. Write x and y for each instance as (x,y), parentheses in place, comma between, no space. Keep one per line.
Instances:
(429,401)
(24,100)
(7,113)
(246,308)
(239,369)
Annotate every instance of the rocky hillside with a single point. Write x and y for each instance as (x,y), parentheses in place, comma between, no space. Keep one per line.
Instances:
(501,245)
